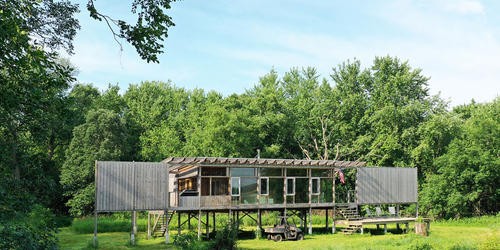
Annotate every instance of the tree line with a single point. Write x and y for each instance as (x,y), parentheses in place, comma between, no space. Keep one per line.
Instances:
(53,129)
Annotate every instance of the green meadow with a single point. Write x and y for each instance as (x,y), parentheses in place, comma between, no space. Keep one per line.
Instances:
(471,233)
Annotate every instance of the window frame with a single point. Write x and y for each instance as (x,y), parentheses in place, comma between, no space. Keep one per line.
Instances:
(318,186)
(239,187)
(293,181)
(267,185)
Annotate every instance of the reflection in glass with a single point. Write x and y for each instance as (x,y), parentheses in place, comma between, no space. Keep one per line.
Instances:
(276,190)
(235,186)
(242,172)
(264,187)
(248,190)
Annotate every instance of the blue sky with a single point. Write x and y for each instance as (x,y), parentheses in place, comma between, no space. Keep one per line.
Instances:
(227,45)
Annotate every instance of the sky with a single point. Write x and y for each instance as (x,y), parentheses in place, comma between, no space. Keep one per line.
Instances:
(227,45)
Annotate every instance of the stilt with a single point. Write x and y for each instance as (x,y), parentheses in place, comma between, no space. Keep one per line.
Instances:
(207,225)
(237,220)
(310,231)
(378,226)
(199,224)
(407,227)
(398,227)
(167,232)
(305,220)
(385,228)
(178,223)
(333,220)
(302,220)
(259,224)
(189,221)
(149,225)
(95,229)
(213,218)
(134,229)
(326,220)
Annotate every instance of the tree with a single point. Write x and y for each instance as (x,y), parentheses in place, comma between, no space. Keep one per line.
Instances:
(148,33)
(467,177)
(101,137)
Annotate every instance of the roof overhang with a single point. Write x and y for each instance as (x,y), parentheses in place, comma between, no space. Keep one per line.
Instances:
(183,162)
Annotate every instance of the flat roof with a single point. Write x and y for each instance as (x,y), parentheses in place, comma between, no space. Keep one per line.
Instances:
(176,162)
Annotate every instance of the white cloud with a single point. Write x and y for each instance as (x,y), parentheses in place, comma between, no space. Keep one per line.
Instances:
(465,7)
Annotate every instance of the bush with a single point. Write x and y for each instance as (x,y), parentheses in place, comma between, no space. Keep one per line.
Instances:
(188,241)
(226,238)
(36,230)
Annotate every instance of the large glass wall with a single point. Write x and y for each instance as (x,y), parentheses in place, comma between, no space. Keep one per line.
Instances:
(248,190)
(301,190)
(326,190)
(247,185)
(276,190)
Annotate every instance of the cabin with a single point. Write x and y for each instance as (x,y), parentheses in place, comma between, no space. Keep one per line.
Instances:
(199,186)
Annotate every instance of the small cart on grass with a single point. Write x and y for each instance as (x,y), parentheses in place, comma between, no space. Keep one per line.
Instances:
(284,231)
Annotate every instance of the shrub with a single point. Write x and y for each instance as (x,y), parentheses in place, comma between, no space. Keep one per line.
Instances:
(226,238)
(188,241)
(35,231)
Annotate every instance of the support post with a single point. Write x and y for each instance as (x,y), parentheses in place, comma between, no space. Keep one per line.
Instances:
(213,218)
(385,228)
(305,219)
(310,221)
(149,225)
(334,203)
(167,233)
(326,220)
(134,228)
(207,225)
(95,209)
(199,224)
(237,220)
(259,224)
(95,229)
(189,221)
(178,223)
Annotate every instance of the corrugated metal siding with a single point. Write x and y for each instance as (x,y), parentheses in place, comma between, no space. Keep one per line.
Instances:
(380,185)
(126,186)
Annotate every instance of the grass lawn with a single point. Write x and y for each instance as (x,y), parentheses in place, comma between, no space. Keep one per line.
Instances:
(474,233)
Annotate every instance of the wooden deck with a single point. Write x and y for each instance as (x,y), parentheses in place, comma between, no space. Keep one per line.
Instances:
(382,221)
(255,207)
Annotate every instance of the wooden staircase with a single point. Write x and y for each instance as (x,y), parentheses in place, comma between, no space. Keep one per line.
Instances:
(161,222)
(347,212)
(352,228)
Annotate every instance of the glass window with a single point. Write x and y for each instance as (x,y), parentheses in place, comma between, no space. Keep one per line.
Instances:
(315,185)
(326,190)
(301,190)
(276,190)
(264,187)
(296,172)
(205,186)
(270,171)
(248,190)
(213,171)
(220,186)
(242,171)
(290,186)
(235,186)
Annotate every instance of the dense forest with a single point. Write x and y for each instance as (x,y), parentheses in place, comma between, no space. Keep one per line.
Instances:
(52,129)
